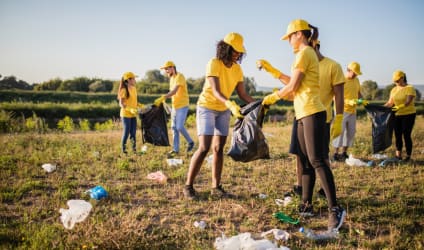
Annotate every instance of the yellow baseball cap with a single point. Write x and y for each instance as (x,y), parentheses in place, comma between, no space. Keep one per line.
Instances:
(128,75)
(295,25)
(168,64)
(236,41)
(397,75)
(355,67)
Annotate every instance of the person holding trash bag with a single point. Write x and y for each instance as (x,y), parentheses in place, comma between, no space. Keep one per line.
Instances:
(180,101)
(127,96)
(352,98)
(303,86)
(223,76)
(331,81)
(401,101)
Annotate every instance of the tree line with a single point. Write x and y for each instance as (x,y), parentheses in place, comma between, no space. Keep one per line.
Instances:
(154,82)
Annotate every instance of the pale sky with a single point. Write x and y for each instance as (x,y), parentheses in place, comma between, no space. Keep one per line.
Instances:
(44,39)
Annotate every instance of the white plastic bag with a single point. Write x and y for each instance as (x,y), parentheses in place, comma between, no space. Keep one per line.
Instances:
(244,241)
(77,212)
(48,167)
(278,234)
(174,162)
(353,162)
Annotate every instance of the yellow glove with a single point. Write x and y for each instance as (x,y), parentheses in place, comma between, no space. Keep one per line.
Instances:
(350,102)
(336,128)
(234,108)
(263,64)
(271,99)
(397,107)
(131,110)
(140,105)
(159,100)
(361,101)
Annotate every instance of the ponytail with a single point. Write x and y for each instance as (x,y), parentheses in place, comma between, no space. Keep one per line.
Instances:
(313,38)
(123,84)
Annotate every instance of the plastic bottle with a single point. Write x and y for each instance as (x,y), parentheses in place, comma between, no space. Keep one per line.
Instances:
(310,234)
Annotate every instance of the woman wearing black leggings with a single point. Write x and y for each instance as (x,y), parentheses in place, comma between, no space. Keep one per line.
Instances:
(402,102)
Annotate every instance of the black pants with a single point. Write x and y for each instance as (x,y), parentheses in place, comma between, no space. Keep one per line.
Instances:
(403,128)
(313,152)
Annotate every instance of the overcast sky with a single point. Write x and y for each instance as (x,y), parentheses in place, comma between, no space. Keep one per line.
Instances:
(44,39)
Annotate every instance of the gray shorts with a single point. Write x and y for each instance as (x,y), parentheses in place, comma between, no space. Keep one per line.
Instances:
(212,122)
(345,139)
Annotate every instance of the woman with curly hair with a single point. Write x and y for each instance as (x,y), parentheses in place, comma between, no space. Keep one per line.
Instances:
(223,76)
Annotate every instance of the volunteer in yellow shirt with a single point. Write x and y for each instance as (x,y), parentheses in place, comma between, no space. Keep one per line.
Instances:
(402,102)
(127,96)
(352,97)
(180,101)
(214,107)
(303,86)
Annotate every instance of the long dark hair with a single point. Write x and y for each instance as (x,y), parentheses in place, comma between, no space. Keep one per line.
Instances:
(123,84)
(224,52)
(311,35)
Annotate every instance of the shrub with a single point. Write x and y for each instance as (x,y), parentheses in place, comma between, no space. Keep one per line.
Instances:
(84,125)
(66,124)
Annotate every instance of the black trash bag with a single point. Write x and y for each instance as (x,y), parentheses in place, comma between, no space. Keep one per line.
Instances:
(382,126)
(248,143)
(153,126)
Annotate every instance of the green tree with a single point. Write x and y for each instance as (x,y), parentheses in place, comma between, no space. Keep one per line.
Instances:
(10,82)
(101,86)
(250,85)
(76,84)
(154,75)
(52,84)
(369,89)
(195,85)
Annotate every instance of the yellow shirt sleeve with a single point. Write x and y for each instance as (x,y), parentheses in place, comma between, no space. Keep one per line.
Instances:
(330,75)
(181,98)
(307,97)
(228,79)
(399,95)
(351,92)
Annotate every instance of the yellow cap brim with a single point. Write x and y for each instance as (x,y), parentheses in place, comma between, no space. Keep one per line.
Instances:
(285,37)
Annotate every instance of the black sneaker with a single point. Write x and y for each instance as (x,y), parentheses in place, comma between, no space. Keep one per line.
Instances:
(344,156)
(336,218)
(172,154)
(190,146)
(336,157)
(220,192)
(306,210)
(189,192)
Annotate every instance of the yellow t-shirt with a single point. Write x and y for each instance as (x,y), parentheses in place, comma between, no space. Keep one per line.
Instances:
(399,94)
(330,75)
(180,99)
(351,92)
(129,102)
(307,97)
(228,79)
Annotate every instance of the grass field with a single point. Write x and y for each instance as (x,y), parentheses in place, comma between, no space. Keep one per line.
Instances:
(385,205)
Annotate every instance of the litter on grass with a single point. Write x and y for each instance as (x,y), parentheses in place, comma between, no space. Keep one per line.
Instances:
(77,212)
(287,200)
(353,162)
(200,224)
(158,176)
(278,234)
(49,167)
(97,192)
(174,162)
(245,241)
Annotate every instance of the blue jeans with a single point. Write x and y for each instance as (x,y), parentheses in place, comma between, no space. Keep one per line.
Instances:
(130,128)
(178,118)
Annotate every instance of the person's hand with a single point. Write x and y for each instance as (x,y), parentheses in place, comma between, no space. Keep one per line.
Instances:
(140,105)
(271,99)
(234,108)
(336,128)
(351,102)
(361,101)
(133,111)
(397,107)
(159,100)
(263,64)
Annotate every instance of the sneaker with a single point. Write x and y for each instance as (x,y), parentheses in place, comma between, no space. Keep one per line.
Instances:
(336,157)
(306,210)
(336,218)
(189,192)
(190,146)
(172,153)
(220,192)
(344,156)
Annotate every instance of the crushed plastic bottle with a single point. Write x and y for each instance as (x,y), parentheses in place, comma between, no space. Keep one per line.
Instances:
(48,167)
(97,193)
(200,224)
(323,236)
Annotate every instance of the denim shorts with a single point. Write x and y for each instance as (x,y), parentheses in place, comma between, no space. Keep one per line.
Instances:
(212,122)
